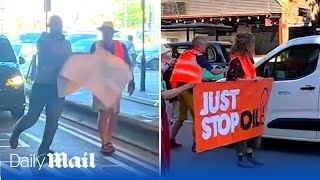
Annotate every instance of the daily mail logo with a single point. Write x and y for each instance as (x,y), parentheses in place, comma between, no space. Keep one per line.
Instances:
(55,160)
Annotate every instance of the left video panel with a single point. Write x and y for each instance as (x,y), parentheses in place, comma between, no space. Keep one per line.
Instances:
(79,89)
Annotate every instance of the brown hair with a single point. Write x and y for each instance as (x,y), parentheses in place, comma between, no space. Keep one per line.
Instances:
(243,44)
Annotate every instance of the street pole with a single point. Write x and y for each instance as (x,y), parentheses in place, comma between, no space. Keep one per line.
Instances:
(143,58)
(46,21)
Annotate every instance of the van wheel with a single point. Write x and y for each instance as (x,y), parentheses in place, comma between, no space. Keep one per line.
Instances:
(154,65)
(17,113)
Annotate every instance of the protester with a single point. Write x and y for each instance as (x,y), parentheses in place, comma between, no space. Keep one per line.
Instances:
(53,51)
(107,118)
(241,67)
(167,67)
(132,48)
(189,69)
(165,127)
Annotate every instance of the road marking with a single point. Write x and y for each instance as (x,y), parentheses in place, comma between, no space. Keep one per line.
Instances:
(21,143)
(89,172)
(136,161)
(55,172)
(25,172)
(125,166)
(128,168)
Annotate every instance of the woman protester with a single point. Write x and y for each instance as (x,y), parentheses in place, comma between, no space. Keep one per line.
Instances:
(242,68)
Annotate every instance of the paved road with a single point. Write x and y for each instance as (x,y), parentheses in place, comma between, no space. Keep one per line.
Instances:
(74,140)
(282,158)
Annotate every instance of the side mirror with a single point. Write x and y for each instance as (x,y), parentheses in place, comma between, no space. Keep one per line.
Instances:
(22,60)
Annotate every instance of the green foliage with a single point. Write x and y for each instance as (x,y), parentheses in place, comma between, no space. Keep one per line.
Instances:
(134,14)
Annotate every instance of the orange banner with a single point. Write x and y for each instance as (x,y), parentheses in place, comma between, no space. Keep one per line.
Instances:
(229,112)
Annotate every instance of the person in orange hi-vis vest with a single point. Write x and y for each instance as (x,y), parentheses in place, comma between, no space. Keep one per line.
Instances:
(242,68)
(107,118)
(189,69)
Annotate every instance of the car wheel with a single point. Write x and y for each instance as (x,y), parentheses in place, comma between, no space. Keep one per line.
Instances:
(154,65)
(18,112)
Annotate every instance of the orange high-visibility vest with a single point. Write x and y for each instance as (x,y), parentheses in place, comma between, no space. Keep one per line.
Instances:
(247,66)
(187,70)
(118,49)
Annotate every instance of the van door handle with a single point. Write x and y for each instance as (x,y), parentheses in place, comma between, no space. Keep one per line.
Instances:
(308,87)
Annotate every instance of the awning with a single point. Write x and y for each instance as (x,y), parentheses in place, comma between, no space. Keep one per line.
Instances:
(222,8)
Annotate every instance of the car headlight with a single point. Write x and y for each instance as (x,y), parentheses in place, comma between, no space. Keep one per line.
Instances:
(15,81)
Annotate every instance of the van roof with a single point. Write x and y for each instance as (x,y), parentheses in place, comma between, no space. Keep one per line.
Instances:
(315,39)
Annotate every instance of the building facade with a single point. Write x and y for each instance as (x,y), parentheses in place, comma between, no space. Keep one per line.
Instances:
(268,20)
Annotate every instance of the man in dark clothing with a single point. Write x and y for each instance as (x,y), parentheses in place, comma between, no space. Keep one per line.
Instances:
(53,51)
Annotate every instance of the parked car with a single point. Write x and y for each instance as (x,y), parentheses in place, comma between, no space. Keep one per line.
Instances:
(12,97)
(217,52)
(24,50)
(74,37)
(293,111)
(84,46)
(29,37)
(151,57)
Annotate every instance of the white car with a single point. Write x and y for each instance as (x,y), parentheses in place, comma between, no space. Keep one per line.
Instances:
(294,107)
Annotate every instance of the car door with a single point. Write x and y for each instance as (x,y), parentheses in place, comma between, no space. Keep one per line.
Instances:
(294,101)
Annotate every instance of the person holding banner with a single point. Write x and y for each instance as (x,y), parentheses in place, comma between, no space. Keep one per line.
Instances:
(165,132)
(107,118)
(189,69)
(242,68)
(167,66)
(53,51)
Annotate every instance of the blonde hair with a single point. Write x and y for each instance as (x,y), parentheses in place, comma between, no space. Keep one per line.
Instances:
(243,44)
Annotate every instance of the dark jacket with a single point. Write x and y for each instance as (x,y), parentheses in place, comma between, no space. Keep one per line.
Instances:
(53,51)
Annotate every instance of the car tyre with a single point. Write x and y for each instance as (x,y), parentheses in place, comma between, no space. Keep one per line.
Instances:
(154,65)
(17,113)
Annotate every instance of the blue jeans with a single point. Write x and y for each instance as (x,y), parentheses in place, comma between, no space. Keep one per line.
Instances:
(42,96)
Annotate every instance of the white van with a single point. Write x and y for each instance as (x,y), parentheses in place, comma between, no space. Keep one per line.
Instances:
(293,110)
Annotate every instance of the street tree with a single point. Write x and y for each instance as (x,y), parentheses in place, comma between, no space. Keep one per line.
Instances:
(134,18)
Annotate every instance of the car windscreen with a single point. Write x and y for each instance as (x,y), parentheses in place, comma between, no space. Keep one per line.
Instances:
(6,52)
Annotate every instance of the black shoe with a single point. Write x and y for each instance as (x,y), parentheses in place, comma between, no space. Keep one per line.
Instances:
(14,141)
(244,163)
(174,144)
(255,161)
(194,147)
(44,157)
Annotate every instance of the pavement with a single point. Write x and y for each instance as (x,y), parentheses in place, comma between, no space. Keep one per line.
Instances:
(74,139)
(282,159)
